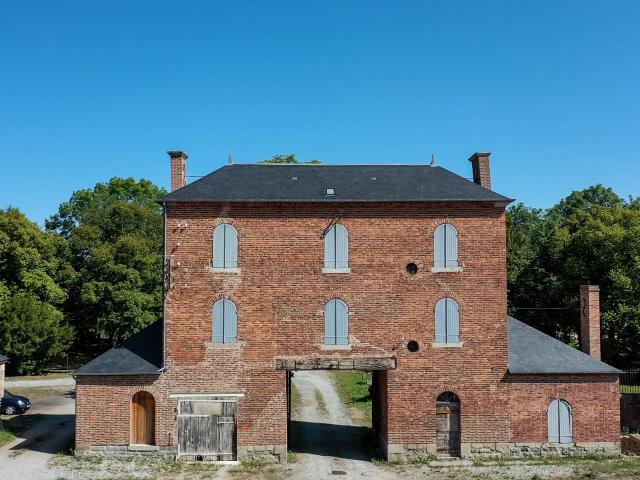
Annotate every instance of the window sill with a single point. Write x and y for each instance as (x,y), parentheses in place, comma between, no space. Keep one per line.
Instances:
(336,270)
(226,346)
(324,346)
(446,269)
(223,270)
(447,345)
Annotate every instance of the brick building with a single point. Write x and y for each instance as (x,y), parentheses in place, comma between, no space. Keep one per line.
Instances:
(397,269)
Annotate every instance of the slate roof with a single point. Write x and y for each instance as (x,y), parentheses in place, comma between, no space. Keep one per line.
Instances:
(139,354)
(531,351)
(3,358)
(351,183)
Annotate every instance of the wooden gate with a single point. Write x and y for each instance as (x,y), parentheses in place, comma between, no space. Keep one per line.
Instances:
(207,429)
(448,425)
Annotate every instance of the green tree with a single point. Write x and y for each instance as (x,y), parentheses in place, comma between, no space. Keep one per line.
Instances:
(290,159)
(31,333)
(115,234)
(591,236)
(31,261)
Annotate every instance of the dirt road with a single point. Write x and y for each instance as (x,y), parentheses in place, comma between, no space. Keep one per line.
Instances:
(327,443)
(52,426)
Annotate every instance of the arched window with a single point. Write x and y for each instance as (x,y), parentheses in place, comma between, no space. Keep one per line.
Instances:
(448,424)
(225,246)
(559,422)
(447,321)
(143,410)
(225,322)
(336,247)
(336,323)
(445,246)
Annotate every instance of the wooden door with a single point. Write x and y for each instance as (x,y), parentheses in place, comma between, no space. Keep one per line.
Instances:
(448,430)
(143,408)
(207,429)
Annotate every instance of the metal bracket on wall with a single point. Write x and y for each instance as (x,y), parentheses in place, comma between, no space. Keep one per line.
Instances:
(169,274)
(333,221)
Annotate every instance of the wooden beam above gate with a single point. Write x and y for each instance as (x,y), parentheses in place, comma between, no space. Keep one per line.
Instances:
(327,363)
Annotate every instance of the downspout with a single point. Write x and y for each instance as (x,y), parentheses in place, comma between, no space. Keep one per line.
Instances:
(164,290)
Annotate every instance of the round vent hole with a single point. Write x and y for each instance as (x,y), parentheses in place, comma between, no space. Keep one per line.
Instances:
(412,268)
(413,346)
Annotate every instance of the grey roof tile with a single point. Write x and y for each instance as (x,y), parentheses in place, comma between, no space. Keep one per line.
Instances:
(351,183)
(532,351)
(3,358)
(139,354)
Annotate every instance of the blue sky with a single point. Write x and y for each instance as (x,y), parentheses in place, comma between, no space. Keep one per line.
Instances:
(93,89)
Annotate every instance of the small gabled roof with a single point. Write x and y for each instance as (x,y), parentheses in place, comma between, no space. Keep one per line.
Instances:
(139,354)
(350,183)
(532,351)
(3,359)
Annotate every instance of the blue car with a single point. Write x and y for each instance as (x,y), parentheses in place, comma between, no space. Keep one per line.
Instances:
(13,404)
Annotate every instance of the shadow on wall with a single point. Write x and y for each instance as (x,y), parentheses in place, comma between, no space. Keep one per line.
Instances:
(327,440)
(630,412)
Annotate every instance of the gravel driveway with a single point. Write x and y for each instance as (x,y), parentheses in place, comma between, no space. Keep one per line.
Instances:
(325,439)
(52,427)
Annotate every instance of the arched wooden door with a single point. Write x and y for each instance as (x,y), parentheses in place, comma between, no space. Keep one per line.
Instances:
(143,408)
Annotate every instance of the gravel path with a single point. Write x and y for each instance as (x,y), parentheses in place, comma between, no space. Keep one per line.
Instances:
(322,433)
(51,430)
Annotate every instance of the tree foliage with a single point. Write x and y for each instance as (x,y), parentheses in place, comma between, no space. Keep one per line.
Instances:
(114,233)
(31,333)
(31,261)
(590,237)
(288,159)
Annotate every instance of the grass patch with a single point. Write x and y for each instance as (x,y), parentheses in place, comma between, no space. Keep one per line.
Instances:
(6,436)
(321,403)
(252,464)
(291,457)
(353,388)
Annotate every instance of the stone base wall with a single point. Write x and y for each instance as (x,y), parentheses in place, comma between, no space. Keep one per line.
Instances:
(269,453)
(399,452)
(127,451)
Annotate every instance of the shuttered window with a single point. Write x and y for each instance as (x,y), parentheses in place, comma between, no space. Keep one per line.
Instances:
(225,246)
(560,422)
(445,246)
(336,323)
(336,247)
(225,322)
(447,321)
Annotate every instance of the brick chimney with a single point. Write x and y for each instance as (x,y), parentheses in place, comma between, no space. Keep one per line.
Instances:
(481,171)
(590,320)
(178,169)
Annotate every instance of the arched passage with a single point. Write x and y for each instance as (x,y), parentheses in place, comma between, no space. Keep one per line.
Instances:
(143,408)
(448,424)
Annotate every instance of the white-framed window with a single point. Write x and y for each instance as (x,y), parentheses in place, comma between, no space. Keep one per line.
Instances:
(560,422)
(447,321)
(225,246)
(336,248)
(336,323)
(445,246)
(225,322)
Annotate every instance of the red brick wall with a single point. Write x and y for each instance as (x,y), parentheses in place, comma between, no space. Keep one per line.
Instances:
(594,400)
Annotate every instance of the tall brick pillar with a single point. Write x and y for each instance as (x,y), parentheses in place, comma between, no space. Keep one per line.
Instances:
(590,320)
(178,169)
(481,170)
